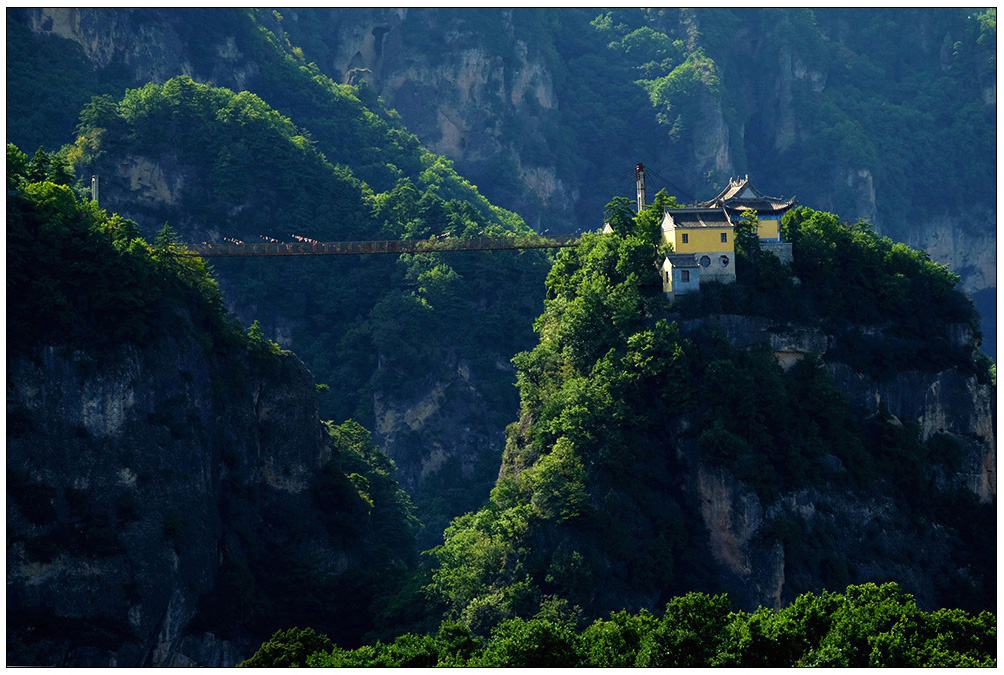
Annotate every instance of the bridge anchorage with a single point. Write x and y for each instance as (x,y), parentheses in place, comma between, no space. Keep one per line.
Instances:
(392,247)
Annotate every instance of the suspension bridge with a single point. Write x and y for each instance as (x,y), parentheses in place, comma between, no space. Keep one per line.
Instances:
(391,247)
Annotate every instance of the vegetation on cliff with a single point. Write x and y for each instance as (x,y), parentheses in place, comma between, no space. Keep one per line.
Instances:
(365,326)
(79,277)
(87,296)
(618,407)
(266,582)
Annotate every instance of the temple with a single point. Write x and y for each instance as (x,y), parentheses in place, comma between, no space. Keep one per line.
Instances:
(703,236)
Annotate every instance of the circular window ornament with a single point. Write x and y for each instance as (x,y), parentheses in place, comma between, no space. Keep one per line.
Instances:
(724,260)
(705,261)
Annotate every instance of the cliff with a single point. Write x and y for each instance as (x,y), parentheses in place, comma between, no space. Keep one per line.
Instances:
(173,498)
(767,550)
(764,438)
(163,505)
(119,465)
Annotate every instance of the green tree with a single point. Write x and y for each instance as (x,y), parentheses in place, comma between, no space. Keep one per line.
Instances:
(287,648)
(689,633)
(614,643)
(533,643)
(619,215)
(648,223)
(747,239)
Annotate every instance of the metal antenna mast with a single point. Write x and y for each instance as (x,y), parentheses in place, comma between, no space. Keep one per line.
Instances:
(639,178)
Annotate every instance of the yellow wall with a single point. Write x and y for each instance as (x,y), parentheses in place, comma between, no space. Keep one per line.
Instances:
(703,240)
(768,229)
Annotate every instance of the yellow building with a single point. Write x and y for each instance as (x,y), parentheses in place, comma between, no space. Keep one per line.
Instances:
(706,234)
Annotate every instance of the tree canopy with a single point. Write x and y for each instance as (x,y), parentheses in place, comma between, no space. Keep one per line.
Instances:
(866,626)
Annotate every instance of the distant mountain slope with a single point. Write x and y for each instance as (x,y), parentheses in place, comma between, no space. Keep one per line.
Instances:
(871,113)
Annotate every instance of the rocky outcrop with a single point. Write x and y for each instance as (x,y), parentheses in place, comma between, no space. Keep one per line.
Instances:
(946,403)
(477,104)
(153,45)
(969,248)
(140,482)
(790,343)
(441,433)
(768,550)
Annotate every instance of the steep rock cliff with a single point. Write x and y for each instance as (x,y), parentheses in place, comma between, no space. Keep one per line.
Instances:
(903,488)
(153,45)
(767,550)
(483,101)
(157,497)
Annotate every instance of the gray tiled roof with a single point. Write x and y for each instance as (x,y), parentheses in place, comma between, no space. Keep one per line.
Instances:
(682,259)
(698,217)
(755,199)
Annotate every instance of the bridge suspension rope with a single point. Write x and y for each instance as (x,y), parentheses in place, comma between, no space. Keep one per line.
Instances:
(387,247)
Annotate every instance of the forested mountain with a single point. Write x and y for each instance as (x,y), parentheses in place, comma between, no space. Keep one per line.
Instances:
(814,425)
(172,496)
(393,339)
(881,114)
(662,449)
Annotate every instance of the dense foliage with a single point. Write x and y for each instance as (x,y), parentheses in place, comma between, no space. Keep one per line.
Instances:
(49,79)
(865,626)
(79,277)
(357,504)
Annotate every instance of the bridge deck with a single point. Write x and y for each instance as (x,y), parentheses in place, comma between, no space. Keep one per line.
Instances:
(393,247)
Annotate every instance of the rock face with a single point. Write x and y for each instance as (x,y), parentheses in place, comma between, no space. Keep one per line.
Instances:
(139,481)
(442,436)
(152,44)
(766,551)
(461,94)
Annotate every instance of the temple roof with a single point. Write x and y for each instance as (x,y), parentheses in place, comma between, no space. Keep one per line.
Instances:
(741,194)
(682,260)
(696,217)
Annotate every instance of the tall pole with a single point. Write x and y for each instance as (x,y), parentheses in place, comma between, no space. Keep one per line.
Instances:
(639,178)
(94,188)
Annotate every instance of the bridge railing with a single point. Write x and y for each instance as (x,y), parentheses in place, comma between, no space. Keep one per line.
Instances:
(391,247)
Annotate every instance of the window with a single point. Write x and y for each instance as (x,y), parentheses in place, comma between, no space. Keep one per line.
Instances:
(685,238)
(725,237)
(684,275)
(724,260)
(705,261)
